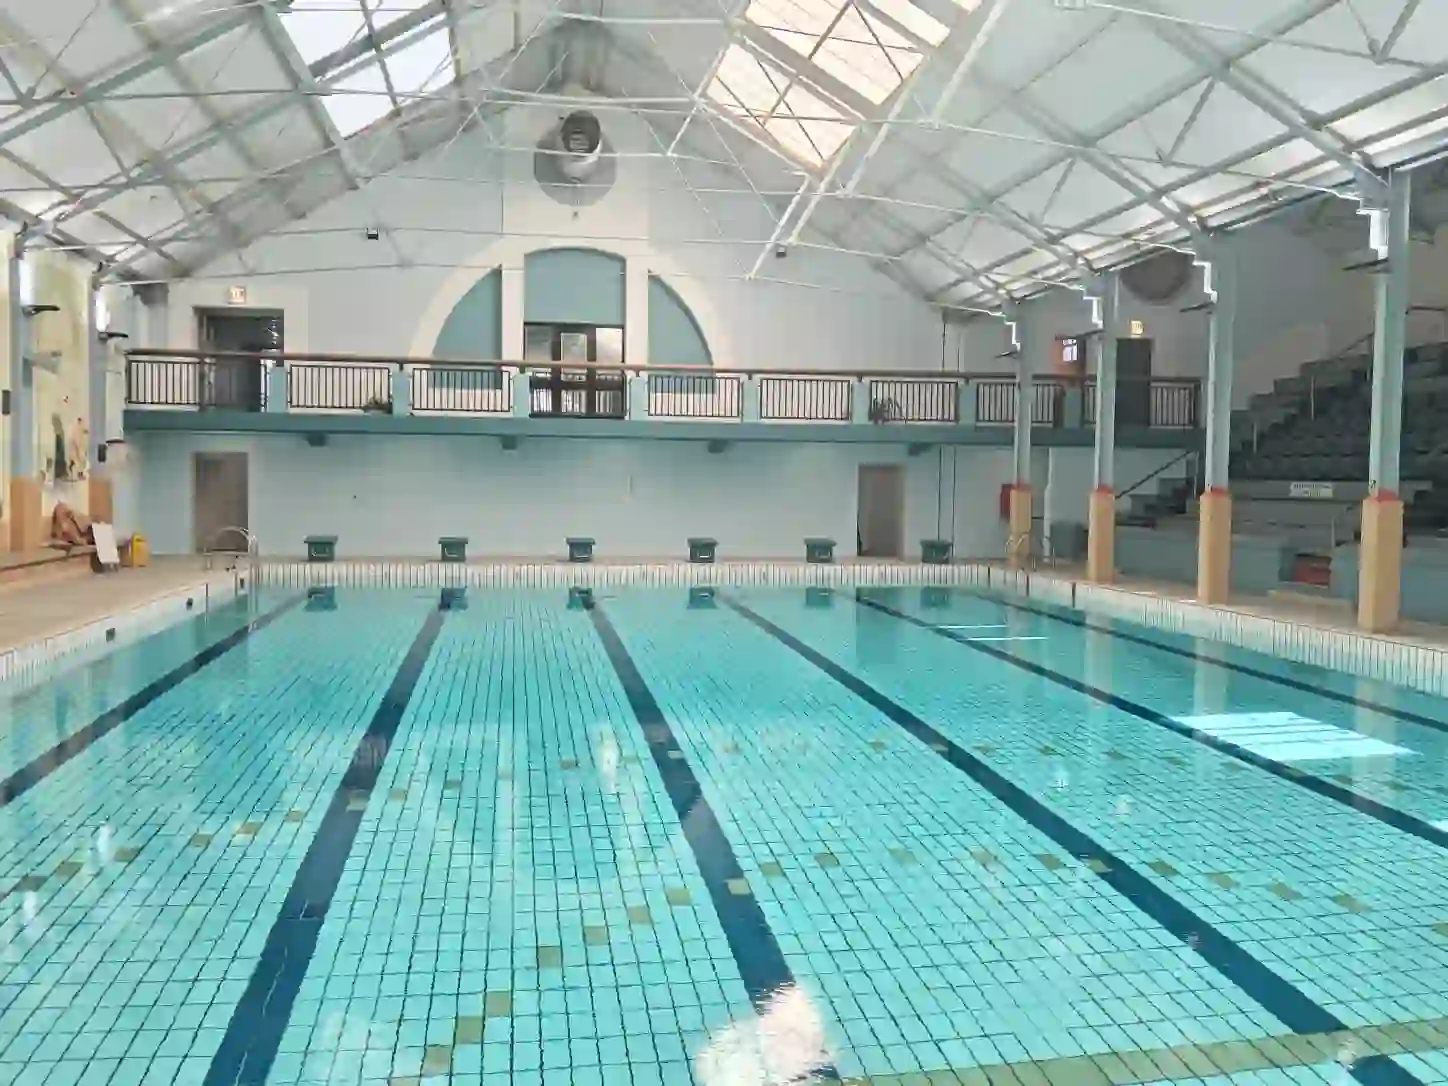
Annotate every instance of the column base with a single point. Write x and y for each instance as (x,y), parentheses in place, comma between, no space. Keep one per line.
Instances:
(27,532)
(100,500)
(1101,536)
(1380,563)
(1214,548)
(1018,548)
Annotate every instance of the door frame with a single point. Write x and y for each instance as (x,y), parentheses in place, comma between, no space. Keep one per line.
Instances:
(200,314)
(887,470)
(198,542)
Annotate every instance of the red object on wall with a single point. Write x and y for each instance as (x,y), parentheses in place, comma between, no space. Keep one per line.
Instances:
(1006,489)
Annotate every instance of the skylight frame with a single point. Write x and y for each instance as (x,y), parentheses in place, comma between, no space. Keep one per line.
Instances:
(871,47)
(379,69)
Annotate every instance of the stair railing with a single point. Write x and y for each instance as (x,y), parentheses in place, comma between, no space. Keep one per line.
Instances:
(1148,478)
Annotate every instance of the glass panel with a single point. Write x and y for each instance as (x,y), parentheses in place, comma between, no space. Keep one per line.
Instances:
(538,343)
(389,11)
(608,344)
(355,102)
(423,66)
(319,28)
(915,20)
(573,346)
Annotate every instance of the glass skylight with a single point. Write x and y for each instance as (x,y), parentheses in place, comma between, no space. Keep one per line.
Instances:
(319,28)
(417,62)
(422,66)
(870,46)
(358,100)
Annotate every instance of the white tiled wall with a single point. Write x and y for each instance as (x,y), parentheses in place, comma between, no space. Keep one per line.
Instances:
(1367,656)
(40,659)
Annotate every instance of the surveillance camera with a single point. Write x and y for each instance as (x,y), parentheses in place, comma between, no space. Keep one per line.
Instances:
(781,251)
(373,233)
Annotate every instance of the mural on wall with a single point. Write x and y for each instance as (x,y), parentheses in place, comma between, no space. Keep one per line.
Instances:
(62,377)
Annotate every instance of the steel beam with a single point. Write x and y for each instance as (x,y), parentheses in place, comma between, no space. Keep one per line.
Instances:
(1269,99)
(1389,337)
(54,107)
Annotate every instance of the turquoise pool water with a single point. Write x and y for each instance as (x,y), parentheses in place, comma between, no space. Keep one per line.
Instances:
(749,837)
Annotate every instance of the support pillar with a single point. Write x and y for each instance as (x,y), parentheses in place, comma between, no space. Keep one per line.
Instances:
(26,529)
(1101,523)
(1380,562)
(511,312)
(100,500)
(1018,550)
(23,502)
(1214,528)
(636,312)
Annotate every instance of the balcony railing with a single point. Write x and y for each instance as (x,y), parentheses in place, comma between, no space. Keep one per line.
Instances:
(694,396)
(351,384)
(460,390)
(330,386)
(805,398)
(914,400)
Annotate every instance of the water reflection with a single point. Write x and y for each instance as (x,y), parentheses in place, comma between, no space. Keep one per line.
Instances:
(784,1044)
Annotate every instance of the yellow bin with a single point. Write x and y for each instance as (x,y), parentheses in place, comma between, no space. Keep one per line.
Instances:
(137,552)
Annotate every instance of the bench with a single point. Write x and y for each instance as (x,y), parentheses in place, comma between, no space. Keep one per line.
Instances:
(819,552)
(935,552)
(321,548)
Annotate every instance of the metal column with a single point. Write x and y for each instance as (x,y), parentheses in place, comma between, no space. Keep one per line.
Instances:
(1221,360)
(1389,332)
(97,350)
(22,377)
(1025,400)
(1101,524)
(1380,559)
(1104,348)
(1019,543)
(1214,530)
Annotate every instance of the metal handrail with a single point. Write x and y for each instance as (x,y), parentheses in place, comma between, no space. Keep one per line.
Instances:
(158,354)
(1148,478)
(253,548)
(1014,544)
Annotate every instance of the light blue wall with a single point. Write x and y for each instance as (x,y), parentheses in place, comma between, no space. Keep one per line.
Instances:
(474,329)
(573,286)
(674,336)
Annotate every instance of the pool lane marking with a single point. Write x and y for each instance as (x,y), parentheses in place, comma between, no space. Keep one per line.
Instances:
(1338,696)
(1395,817)
(1278,997)
(28,776)
(756,950)
(254,1033)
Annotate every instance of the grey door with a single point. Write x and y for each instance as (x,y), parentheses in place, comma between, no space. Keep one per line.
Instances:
(237,383)
(1133,382)
(220,501)
(881,511)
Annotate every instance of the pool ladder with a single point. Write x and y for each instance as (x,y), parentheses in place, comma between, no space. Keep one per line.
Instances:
(253,551)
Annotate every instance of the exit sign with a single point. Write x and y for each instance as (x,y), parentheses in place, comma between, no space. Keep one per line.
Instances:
(1138,329)
(236,296)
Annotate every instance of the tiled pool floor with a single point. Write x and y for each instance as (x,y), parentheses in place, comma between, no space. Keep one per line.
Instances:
(902,836)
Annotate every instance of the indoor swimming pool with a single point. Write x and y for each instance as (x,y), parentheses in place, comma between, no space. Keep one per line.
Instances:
(726,838)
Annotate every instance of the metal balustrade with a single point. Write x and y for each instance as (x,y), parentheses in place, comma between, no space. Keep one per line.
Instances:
(805,399)
(694,396)
(318,383)
(914,400)
(233,383)
(330,386)
(460,390)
